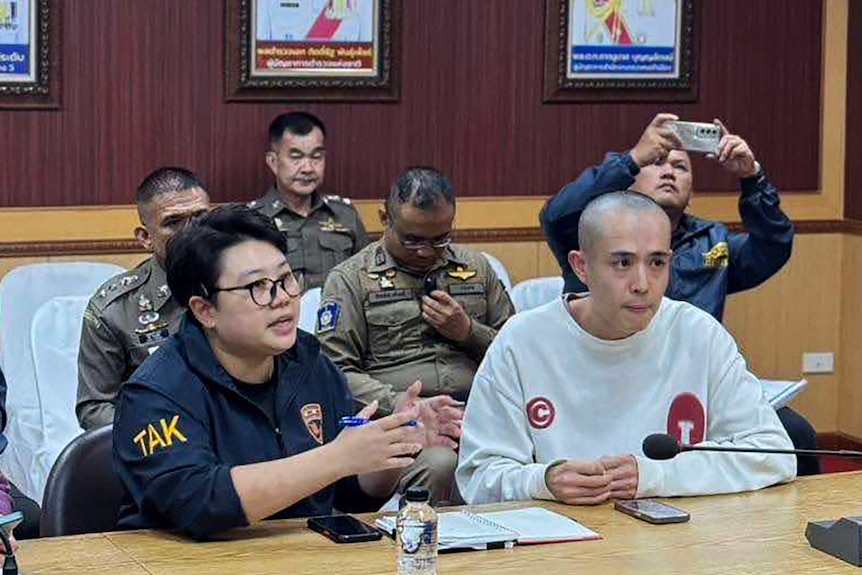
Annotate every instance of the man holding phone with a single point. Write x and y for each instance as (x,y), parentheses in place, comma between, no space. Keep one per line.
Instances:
(414,306)
(568,391)
(709,261)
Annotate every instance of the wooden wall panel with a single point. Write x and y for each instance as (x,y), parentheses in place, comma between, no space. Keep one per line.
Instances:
(853,194)
(791,314)
(850,358)
(143,87)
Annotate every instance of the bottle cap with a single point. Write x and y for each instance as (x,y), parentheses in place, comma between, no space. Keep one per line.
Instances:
(417,494)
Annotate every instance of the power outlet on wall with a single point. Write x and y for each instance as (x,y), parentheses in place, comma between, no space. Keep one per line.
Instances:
(818,362)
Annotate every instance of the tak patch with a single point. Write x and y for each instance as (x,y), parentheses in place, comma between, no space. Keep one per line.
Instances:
(541,412)
(150,439)
(312,416)
(327,316)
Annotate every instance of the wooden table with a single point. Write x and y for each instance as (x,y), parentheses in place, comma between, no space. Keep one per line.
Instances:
(760,532)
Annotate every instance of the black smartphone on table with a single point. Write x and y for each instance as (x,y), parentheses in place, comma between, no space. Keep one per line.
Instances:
(344,528)
(652,511)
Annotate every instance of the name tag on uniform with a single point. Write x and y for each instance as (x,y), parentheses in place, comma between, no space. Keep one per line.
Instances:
(390,295)
(467,289)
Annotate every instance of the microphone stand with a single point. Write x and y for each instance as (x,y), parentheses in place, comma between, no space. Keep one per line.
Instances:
(827,452)
(10,565)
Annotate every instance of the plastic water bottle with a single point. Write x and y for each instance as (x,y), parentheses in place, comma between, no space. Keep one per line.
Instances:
(417,534)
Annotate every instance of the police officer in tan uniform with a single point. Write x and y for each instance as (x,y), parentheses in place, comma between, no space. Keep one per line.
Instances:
(322,231)
(133,313)
(413,307)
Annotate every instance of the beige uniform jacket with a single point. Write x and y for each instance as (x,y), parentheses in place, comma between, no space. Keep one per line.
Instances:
(331,233)
(125,321)
(370,324)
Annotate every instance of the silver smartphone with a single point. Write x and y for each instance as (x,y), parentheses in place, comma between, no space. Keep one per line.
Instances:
(652,511)
(698,136)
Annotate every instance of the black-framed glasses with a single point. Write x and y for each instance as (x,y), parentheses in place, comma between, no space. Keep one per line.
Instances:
(263,291)
(434,244)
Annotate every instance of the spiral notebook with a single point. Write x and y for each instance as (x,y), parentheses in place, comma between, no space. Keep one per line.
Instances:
(468,530)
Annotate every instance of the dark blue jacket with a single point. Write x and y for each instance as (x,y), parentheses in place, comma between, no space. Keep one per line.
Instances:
(181,424)
(700,273)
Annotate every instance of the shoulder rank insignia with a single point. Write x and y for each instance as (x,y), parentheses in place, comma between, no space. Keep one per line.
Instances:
(253,205)
(144,303)
(461,273)
(327,316)
(717,257)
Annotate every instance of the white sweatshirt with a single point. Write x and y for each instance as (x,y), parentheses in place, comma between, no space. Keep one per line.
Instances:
(547,390)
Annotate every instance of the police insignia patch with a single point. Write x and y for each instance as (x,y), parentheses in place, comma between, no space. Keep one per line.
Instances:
(717,257)
(312,416)
(327,316)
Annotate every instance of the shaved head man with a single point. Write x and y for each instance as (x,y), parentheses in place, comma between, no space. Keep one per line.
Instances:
(568,391)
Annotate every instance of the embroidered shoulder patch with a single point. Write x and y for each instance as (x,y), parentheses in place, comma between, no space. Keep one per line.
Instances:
(327,316)
(717,257)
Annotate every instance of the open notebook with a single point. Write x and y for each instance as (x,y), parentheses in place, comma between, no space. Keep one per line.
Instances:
(779,393)
(468,530)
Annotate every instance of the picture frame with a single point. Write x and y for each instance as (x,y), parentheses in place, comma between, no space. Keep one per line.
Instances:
(312,50)
(30,44)
(620,51)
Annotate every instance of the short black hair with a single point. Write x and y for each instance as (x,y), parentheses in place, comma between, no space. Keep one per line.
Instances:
(167,179)
(421,187)
(194,254)
(297,123)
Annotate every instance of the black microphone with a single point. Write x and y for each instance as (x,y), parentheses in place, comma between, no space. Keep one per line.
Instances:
(663,446)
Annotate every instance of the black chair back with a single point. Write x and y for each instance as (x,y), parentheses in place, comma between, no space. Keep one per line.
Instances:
(83,492)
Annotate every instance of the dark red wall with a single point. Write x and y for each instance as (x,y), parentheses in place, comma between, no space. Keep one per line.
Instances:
(143,87)
(853,181)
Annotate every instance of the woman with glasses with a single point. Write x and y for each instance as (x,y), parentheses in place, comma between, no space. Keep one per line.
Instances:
(237,417)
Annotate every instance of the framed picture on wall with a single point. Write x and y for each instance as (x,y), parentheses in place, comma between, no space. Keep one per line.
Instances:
(620,50)
(304,50)
(29,54)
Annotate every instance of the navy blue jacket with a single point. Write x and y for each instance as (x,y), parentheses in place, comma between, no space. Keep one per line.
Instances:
(181,424)
(709,262)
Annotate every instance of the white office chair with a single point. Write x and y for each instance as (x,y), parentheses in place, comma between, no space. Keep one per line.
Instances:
(22,291)
(55,337)
(308,310)
(500,270)
(535,292)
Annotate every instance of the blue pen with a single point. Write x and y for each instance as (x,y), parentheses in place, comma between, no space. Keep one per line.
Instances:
(353,421)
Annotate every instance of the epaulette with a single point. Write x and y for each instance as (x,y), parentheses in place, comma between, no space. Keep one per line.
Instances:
(254,204)
(339,199)
(119,285)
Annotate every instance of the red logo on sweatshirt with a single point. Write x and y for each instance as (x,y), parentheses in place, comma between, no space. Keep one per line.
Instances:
(686,420)
(541,412)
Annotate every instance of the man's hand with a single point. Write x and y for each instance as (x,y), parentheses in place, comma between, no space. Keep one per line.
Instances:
(579,482)
(735,155)
(657,141)
(623,470)
(446,315)
(441,416)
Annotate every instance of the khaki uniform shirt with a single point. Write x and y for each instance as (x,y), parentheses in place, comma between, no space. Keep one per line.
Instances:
(331,233)
(370,324)
(125,322)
